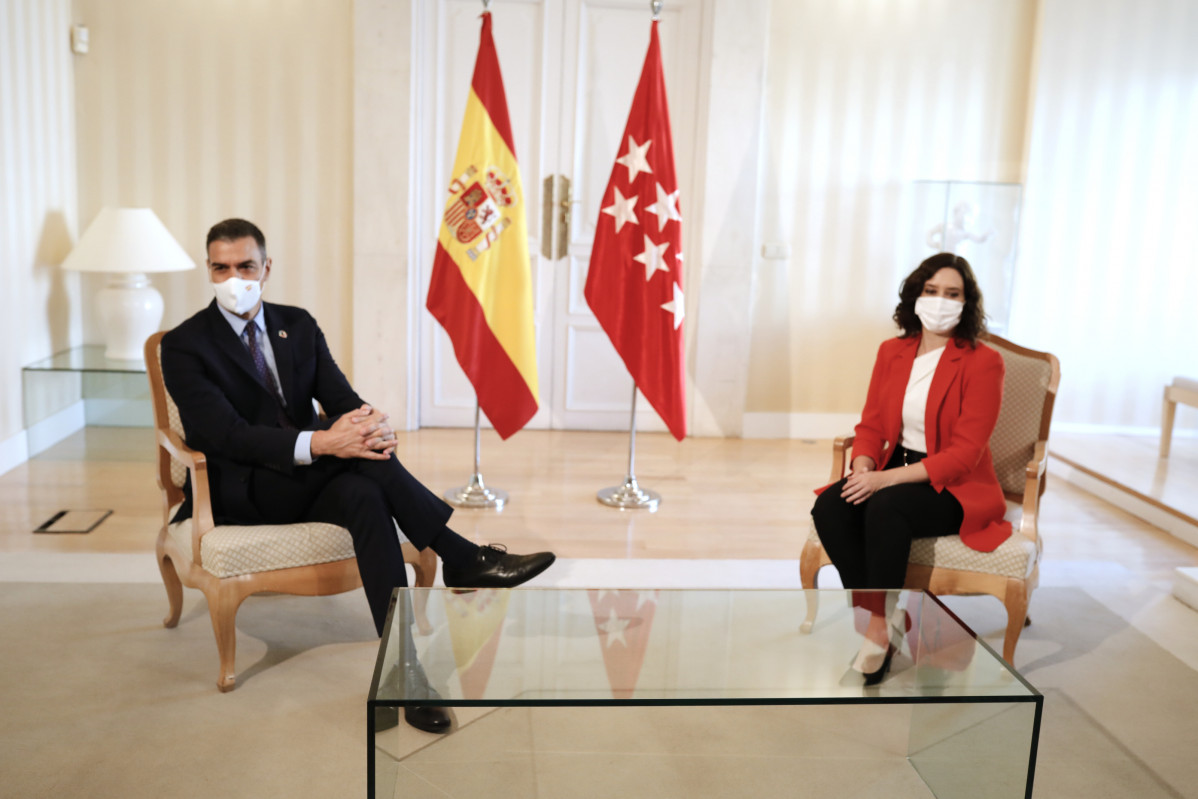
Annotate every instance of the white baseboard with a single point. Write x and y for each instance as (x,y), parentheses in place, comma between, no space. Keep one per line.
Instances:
(53,429)
(1128,500)
(799,425)
(14,451)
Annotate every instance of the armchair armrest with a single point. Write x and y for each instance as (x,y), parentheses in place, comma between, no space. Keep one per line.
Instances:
(1033,487)
(840,449)
(201,500)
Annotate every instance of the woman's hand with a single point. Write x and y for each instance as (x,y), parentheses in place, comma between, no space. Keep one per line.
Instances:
(865,481)
(862,463)
(862,485)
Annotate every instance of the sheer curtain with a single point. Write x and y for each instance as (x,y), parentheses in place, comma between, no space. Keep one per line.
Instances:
(862,100)
(1107,273)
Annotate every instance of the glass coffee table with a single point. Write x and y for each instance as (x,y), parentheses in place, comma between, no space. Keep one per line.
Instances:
(601,693)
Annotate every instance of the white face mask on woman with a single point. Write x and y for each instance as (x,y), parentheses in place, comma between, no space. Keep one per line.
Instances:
(939,315)
(237,296)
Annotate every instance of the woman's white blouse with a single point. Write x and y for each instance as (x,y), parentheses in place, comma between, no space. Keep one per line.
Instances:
(915,401)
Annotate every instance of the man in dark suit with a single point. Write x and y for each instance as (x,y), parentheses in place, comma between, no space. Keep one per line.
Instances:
(244,375)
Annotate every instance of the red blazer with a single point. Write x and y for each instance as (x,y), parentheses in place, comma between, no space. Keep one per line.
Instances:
(963,403)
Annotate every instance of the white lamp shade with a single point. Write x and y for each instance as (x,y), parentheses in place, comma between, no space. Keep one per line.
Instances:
(128,240)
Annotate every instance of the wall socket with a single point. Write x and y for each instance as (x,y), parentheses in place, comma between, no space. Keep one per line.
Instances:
(79,39)
(775,251)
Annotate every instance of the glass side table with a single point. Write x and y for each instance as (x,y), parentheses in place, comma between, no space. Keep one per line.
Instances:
(112,393)
(587,692)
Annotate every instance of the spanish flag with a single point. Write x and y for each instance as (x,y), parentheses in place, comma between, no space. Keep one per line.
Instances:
(481,287)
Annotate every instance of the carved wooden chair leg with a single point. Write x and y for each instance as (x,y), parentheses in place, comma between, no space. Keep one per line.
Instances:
(174,587)
(1168,410)
(222,607)
(809,563)
(424,564)
(1016,604)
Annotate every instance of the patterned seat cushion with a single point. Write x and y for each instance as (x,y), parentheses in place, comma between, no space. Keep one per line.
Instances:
(231,550)
(1015,557)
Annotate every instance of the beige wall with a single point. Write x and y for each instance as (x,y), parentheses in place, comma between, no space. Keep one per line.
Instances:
(39,304)
(206,109)
(862,100)
(265,109)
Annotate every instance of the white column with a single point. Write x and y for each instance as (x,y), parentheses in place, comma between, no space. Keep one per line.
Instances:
(728,165)
(385,348)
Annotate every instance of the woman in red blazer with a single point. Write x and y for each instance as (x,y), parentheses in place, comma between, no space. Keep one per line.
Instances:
(921,462)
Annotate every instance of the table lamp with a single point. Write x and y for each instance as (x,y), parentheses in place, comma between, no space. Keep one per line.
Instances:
(127,243)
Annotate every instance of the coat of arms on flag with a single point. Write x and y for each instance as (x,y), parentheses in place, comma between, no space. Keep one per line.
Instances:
(477,208)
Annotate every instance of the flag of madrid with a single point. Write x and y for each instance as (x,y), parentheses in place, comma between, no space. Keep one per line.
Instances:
(634,283)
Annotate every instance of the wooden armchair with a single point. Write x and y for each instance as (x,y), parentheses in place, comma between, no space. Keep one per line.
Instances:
(1019,446)
(228,563)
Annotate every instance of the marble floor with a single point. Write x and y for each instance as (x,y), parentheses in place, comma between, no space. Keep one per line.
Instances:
(734,514)
(724,500)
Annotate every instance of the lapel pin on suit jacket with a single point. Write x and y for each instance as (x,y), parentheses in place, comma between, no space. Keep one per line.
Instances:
(282,334)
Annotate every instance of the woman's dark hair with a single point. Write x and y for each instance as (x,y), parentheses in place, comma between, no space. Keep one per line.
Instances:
(973,319)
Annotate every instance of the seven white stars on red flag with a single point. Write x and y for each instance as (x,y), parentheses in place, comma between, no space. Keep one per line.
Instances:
(639,232)
(623,209)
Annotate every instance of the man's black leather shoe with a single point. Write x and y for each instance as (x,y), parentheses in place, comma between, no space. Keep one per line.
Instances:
(428,718)
(495,567)
(422,717)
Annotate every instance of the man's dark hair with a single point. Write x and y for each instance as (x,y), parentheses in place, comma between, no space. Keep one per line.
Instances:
(973,318)
(234,229)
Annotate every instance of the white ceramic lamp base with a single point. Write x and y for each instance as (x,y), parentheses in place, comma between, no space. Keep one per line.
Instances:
(130,312)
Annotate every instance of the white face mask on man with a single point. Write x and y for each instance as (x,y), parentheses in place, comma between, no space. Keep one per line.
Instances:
(939,315)
(236,295)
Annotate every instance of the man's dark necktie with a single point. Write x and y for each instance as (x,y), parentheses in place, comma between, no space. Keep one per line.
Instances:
(267,377)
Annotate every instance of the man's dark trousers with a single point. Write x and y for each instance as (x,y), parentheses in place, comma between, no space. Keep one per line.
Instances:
(368,498)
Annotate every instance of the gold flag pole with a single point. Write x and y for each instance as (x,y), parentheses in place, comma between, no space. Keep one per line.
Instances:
(629,495)
(475,493)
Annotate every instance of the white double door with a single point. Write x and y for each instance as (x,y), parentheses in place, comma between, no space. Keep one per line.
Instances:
(570,69)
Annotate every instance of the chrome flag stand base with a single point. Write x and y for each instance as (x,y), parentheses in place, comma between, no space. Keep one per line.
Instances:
(475,494)
(629,495)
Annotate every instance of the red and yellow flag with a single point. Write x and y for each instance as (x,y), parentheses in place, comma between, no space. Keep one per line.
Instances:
(481,287)
(475,627)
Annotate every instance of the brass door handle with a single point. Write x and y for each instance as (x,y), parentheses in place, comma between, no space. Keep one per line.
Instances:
(555,205)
